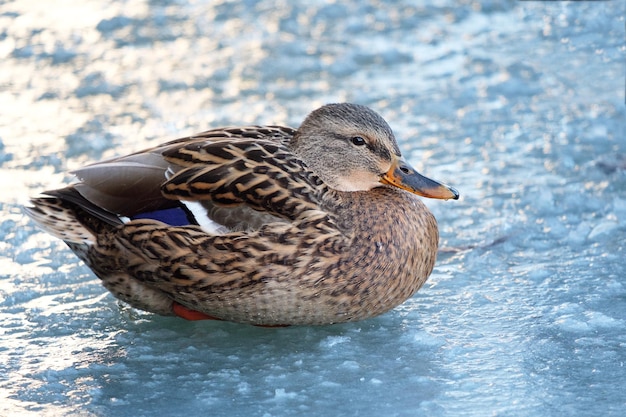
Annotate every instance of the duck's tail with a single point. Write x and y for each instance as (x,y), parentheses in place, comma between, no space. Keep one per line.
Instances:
(66,214)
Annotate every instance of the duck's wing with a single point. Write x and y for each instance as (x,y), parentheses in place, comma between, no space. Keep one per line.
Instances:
(240,178)
(265,176)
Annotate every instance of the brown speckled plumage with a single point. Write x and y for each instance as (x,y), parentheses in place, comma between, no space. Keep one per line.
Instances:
(313,226)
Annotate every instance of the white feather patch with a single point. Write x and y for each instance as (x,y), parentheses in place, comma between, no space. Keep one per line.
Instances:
(200,214)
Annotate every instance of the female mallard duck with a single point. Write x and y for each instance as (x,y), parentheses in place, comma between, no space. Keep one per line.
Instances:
(264,225)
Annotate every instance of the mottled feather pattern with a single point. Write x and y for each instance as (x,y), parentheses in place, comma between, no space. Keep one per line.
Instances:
(278,134)
(58,218)
(289,247)
(264,175)
(203,271)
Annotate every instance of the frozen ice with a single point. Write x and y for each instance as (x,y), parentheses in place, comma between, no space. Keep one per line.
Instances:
(519,105)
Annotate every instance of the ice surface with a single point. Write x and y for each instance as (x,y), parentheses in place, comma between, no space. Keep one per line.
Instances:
(519,105)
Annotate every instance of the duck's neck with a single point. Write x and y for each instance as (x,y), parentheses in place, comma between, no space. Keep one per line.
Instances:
(383,211)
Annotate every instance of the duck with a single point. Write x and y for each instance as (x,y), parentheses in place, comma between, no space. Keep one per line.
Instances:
(263,225)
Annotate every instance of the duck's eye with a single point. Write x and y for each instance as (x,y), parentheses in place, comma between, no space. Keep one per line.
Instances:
(358,141)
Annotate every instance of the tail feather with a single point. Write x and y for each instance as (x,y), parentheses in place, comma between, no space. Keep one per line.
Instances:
(73,197)
(69,216)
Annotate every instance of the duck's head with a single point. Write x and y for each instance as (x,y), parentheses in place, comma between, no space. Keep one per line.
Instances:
(352,148)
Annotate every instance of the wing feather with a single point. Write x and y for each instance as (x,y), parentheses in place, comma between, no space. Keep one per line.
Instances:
(230,171)
(261,174)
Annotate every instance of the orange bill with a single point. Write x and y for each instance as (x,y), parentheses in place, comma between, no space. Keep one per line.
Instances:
(404,176)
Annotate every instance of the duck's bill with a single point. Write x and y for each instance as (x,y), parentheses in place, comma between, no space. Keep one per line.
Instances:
(404,176)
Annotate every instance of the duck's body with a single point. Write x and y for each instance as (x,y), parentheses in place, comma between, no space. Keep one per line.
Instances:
(261,225)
